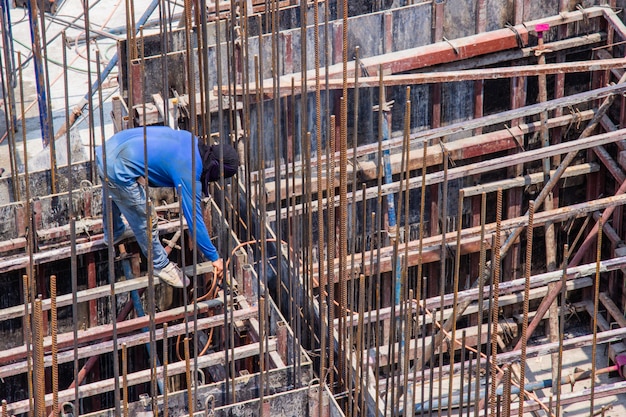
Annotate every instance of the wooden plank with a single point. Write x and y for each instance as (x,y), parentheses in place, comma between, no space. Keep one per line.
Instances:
(470,236)
(509,294)
(469,169)
(66,340)
(470,125)
(530,179)
(140,377)
(268,90)
(82,296)
(132,340)
(471,147)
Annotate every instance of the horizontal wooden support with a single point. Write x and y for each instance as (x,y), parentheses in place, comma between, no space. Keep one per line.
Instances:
(130,341)
(511,292)
(600,391)
(105,331)
(459,172)
(470,237)
(268,89)
(451,51)
(120,287)
(471,340)
(475,146)
(467,148)
(439,134)
(529,179)
(136,378)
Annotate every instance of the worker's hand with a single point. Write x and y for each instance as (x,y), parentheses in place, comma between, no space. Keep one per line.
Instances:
(218,269)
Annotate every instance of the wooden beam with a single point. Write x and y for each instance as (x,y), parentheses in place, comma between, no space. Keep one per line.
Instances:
(140,377)
(470,236)
(268,90)
(529,179)
(467,126)
(132,340)
(470,169)
(66,340)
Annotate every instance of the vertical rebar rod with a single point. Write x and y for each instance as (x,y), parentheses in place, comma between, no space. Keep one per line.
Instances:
(28,341)
(443,226)
(90,118)
(469,384)
(166,410)
(262,363)
(54,332)
(596,296)
(188,379)
(462,376)
(72,220)
(359,345)
(49,118)
(4,409)
(496,295)
(455,285)
(343,189)
(562,327)
(124,380)
(29,277)
(407,293)
(354,226)
(40,380)
(8,93)
(507,391)
(331,253)
(527,275)
(322,254)
(481,289)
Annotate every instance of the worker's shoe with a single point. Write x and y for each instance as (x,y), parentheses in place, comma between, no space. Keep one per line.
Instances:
(172,275)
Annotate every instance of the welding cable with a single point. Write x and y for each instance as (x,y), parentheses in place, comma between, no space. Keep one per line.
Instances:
(250,242)
(529,394)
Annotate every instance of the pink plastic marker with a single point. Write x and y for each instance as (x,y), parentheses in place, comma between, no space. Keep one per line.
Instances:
(542,27)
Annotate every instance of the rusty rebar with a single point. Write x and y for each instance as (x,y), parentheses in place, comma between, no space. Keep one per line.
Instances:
(28,341)
(40,380)
(457,271)
(190,398)
(55,350)
(124,380)
(527,275)
(596,297)
(166,410)
(494,306)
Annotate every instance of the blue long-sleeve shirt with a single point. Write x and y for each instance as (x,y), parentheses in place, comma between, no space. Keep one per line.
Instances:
(169,165)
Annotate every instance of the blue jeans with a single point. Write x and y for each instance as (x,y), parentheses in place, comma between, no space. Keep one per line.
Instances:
(131,202)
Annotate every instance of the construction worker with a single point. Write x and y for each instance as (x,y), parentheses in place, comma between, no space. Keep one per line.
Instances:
(169,157)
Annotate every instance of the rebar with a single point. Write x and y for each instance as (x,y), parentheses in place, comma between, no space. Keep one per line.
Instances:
(188,379)
(596,297)
(40,380)
(527,274)
(166,410)
(557,411)
(55,350)
(495,309)
(124,380)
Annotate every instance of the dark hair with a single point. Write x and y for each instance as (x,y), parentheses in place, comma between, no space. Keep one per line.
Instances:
(211,163)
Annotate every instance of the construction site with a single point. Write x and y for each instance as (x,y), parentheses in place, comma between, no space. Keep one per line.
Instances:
(427,218)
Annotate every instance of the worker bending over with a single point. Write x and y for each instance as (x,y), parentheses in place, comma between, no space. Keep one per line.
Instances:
(169,156)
